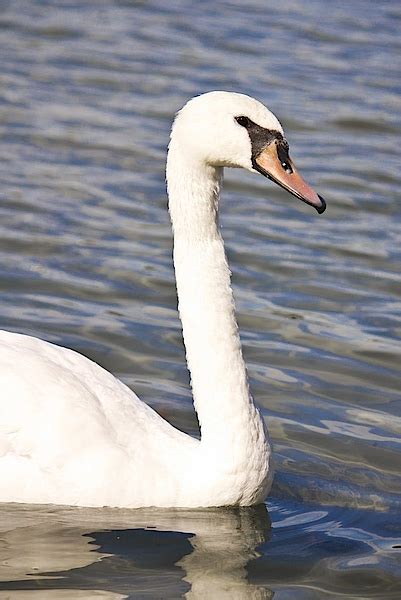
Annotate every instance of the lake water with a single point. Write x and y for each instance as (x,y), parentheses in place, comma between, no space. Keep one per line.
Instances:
(88,91)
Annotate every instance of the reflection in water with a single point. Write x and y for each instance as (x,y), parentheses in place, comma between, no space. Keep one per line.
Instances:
(193,553)
(217,567)
(310,553)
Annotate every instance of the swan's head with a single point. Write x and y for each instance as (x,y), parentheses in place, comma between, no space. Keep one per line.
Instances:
(225,129)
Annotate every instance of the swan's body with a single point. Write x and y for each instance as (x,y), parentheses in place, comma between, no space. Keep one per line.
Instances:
(70,433)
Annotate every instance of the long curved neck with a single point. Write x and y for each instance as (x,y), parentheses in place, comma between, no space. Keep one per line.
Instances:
(225,408)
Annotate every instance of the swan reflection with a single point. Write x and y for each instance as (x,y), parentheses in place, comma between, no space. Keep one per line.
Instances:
(46,552)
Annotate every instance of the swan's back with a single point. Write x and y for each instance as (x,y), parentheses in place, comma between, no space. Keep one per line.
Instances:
(65,421)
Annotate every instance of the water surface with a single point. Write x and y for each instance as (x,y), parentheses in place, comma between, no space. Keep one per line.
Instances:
(87,94)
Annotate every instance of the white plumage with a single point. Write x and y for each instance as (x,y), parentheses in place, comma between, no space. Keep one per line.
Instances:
(71,433)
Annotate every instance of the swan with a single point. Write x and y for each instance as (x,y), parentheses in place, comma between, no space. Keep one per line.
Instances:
(73,434)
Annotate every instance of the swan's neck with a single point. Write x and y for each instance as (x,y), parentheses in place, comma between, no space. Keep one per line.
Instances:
(228,418)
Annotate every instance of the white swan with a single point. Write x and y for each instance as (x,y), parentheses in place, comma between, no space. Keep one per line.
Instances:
(70,433)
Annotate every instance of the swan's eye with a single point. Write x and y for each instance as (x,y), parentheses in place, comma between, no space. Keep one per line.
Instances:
(243,121)
(282,153)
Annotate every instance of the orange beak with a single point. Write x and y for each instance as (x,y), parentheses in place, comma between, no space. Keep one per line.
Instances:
(285,174)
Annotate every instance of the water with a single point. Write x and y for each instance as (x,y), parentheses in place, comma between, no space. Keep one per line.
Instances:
(87,95)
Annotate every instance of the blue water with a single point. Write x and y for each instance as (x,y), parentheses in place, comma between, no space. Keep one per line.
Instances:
(87,95)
